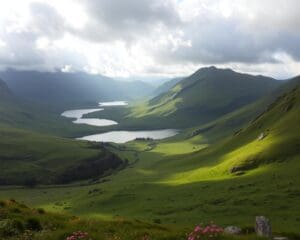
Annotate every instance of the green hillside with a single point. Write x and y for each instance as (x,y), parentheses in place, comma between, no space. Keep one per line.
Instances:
(167,86)
(28,157)
(185,181)
(204,96)
(18,222)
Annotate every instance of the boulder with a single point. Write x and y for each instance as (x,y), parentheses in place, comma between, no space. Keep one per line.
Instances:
(280,238)
(261,136)
(263,226)
(233,230)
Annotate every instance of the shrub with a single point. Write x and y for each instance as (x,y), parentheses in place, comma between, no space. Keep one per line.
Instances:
(33,224)
(10,228)
(2,204)
(41,211)
(157,221)
(15,210)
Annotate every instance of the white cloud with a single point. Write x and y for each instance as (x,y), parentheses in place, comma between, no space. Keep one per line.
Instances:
(151,37)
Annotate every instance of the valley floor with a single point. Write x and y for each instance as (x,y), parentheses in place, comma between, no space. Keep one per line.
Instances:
(165,183)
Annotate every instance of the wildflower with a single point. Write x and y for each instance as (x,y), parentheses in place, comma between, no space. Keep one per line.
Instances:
(210,231)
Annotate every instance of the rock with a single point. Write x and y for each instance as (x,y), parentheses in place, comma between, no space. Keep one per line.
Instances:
(261,136)
(234,230)
(280,238)
(263,226)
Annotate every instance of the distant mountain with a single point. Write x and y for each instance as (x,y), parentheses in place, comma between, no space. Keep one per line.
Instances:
(33,116)
(60,88)
(204,96)
(167,85)
(28,157)
(5,92)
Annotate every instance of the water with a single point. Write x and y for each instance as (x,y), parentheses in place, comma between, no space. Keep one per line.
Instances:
(78,114)
(113,103)
(95,122)
(126,136)
(113,136)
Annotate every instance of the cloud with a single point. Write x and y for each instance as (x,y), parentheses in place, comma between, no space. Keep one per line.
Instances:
(127,20)
(150,37)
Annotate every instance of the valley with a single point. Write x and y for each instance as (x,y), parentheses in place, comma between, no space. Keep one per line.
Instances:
(228,170)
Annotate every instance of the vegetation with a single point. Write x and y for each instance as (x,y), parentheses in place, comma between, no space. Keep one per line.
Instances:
(228,170)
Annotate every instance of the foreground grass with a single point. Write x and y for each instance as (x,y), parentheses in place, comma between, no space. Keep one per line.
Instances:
(19,222)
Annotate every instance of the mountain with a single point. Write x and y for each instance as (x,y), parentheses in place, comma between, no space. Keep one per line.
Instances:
(167,86)
(28,157)
(5,93)
(204,96)
(234,121)
(16,112)
(58,88)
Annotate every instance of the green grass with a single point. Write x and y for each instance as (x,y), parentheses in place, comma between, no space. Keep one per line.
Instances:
(25,155)
(60,226)
(184,181)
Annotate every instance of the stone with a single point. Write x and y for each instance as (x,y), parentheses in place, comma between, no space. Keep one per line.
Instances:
(280,238)
(234,230)
(263,226)
(261,136)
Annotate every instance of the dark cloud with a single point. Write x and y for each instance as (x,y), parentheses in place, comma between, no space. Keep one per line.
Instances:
(127,20)
(46,21)
(225,40)
(252,33)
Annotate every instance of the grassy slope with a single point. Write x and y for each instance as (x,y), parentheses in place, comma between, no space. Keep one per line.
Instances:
(25,154)
(184,182)
(206,95)
(14,217)
(198,100)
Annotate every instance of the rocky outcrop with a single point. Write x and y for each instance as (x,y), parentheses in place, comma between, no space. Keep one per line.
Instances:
(233,230)
(263,226)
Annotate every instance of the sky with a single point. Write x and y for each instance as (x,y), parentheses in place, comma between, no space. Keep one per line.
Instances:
(151,38)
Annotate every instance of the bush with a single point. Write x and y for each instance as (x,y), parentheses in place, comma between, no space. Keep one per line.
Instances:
(33,224)
(157,221)
(41,211)
(10,228)
(2,204)
(15,210)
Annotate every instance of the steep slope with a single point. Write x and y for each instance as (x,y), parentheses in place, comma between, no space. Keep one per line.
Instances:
(167,86)
(61,89)
(206,95)
(272,137)
(29,158)
(234,121)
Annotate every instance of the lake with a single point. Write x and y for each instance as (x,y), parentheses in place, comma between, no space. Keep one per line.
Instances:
(126,136)
(113,136)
